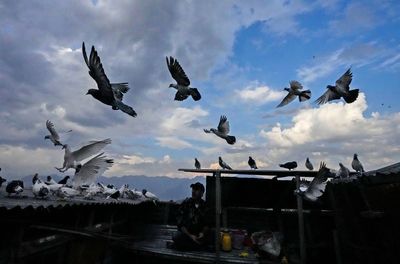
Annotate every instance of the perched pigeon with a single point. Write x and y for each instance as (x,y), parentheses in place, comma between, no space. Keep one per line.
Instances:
(223,164)
(252,163)
(15,187)
(64,180)
(54,137)
(182,81)
(107,93)
(50,180)
(341,89)
(70,158)
(316,187)
(107,190)
(289,165)
(356,164)
(115,195)
(309,164)
(40,189)
(343,172)
(2,180)
(293,92)
(223,130)
(197,164)
(150,196)
(67,192)
(88,172)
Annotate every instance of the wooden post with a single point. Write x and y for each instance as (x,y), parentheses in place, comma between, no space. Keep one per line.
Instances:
(218,210)
(301,224)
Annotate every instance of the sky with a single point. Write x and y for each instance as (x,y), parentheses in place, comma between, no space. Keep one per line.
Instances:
(239,54)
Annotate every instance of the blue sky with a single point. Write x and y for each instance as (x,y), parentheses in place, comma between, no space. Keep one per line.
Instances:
(239,54)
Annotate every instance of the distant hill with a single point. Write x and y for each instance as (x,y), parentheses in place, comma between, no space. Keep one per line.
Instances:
(166,188)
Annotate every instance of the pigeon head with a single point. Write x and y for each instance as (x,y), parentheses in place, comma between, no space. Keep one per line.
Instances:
(35,178)
(355,156)
(286,89)
(48,178)
(92,92)
(64,146)
(172,85)
(341,165)
(67,177)
(47,137)
(144,191)
(213,130)
(219,158)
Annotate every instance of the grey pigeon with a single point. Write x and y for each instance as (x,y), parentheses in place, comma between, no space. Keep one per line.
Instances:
(197,164)
(54,137)
(182,81)
(252,163)
(223,130)
(107,93)
(16,187)
(72,157)
(341,89)
(293,92)
(289,165)
(223,164)
(313,190)
(343,172)
(356,164)
(309,164)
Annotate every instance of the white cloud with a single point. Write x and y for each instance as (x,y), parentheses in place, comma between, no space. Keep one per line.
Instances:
(173,142)
(259,94)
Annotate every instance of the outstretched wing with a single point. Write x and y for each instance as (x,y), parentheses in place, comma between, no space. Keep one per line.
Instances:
(288,98)
(90,150)
(177,72)
(344,81)
(295,85)
(96,70)
(119,89)
(53,132)
(329,95)
(317,185)
(92,169)
(223,125)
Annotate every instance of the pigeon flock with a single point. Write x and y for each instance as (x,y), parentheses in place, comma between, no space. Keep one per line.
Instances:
(111,94)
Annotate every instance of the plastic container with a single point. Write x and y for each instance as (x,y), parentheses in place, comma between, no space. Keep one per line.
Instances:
(226,241)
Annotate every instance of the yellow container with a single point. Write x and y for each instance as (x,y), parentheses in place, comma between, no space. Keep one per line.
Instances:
(226,241)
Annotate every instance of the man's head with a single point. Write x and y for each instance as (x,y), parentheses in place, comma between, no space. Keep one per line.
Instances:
(197,190)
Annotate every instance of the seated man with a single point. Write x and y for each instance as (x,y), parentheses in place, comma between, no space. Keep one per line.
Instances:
(193,231)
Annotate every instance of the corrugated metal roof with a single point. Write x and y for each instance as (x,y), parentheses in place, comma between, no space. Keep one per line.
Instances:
(27,200)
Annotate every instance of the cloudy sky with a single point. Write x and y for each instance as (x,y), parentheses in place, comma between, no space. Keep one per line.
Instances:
(240,54)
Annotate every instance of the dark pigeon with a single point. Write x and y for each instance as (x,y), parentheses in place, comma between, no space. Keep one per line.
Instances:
(64,180)
(252,163)
(16,186)
(223,164)
(289,165)
(223,130)
(197,164)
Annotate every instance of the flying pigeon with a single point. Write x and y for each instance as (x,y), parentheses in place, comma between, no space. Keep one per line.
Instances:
(54,137)
(16,187)
(309,164)
(64,180)
(40,189)
(88,172)
(289,165)
(293,92)
(70,158)
(107,93)
(223,130)
(356,164)
(197,164)
(182,81)
(252,163)
(341,89)
(223,164)
(343,172)
(316,187)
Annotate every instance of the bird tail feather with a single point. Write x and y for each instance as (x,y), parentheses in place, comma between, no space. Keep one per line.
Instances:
(231,140)
(351,97)
(195,94)
(305,95)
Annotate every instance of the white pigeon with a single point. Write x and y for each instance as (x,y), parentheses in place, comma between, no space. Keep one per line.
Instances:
(92,191)
(223,164)
(40,189)
(223,130)
(356,164)
(182,81)
(87,173)
(71,158)
(67,192)
(55,187)
(50,180)
(309,164)
(293,92)
(313,190)
(54,137)
(106,190)
(343,172)
(133,194)
(150,196)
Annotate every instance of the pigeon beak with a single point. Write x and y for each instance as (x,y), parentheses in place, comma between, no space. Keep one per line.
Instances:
(87,93)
